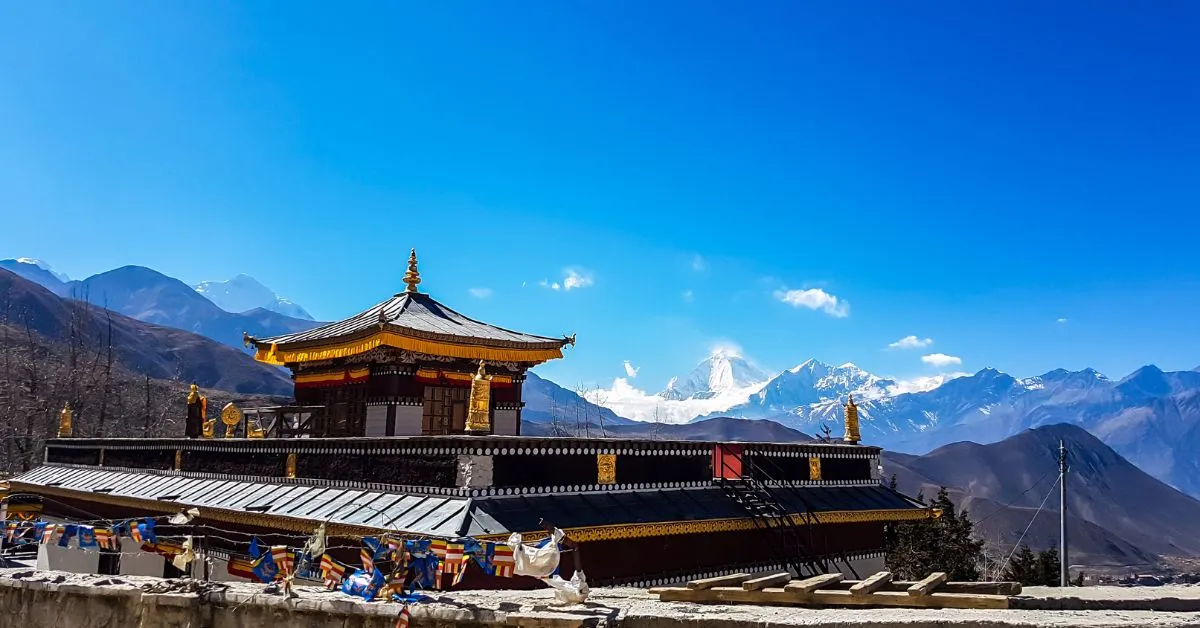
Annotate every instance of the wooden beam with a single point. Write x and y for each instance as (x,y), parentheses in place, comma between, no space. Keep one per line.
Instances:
(926,586)
(992,588)
(824,597)
(718,581)
(772,580)
(812,584)
(872,584)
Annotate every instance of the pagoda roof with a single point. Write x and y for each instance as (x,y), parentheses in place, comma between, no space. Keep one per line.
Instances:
(416,317)
(411,321)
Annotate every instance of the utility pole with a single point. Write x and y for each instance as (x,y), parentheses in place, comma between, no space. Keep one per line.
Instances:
(1064,572)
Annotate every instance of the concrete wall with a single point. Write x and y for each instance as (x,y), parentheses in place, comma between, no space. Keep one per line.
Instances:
(142,564)
(54,558)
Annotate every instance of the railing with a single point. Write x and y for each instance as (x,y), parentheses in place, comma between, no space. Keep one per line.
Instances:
(769,514)
(287,422)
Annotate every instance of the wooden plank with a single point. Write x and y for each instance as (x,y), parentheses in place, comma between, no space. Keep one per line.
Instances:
(926,586)
(987,588)
(872,584)
(812,584)
(825,597)
(772,580)
(718,581)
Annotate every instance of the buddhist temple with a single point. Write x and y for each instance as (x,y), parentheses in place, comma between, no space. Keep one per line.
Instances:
(405,367)
(406,425)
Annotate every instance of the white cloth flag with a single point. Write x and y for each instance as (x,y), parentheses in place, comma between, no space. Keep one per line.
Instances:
(538,562)
(574,591)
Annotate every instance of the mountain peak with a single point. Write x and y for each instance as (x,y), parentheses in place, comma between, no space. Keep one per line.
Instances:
(33,261)
(811,364)
(724,370)
(243,293)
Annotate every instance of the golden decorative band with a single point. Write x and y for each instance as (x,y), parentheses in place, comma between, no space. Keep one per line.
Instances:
(277,356)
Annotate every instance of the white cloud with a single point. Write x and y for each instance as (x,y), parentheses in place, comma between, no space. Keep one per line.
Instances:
(1061,320)
(940,359)
(911,342)
(638,405)
(688,296)
(480,293)
(576,278)
(699,264)
(922,384)
(815,299)
(630,370)
(573,278)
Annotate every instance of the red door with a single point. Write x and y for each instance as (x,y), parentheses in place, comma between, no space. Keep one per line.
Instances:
(727,461)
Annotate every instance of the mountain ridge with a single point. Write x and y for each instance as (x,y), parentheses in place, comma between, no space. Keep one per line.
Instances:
(150,296)
(1135,514)
(153,350)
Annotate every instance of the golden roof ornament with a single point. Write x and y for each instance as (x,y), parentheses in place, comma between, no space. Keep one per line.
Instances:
(413,276)
(231,416)
(852,436)
(64,421)
(479,406)
(193,394)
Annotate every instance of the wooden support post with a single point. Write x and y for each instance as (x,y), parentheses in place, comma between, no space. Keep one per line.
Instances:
(926,586)
(718,581)
(772,580)
(872,584)
(812,584)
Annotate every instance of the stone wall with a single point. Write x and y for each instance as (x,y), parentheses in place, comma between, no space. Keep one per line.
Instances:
(46,599)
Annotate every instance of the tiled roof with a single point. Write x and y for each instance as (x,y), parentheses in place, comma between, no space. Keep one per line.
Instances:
(433,515)
(419,314)
(450,515)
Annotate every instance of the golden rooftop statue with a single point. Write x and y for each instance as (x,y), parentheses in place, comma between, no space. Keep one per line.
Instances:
(852,436)
(413,276)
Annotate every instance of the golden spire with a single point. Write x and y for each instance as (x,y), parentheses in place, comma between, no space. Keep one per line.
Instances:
(852,436)
(413,276)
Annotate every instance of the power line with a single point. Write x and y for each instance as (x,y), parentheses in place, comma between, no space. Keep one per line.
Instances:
(1014,500)
(1031,520)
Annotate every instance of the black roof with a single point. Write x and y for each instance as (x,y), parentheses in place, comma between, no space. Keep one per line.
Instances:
(419,315)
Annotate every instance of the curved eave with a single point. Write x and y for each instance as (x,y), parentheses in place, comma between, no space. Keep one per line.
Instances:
(408,340)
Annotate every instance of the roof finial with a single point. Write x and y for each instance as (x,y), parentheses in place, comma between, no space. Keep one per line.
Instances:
(413,276)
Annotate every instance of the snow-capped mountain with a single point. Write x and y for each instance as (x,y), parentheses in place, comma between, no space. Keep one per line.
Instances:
(244,293)
(38,272)
(44,266)
(722,372)
(813,393)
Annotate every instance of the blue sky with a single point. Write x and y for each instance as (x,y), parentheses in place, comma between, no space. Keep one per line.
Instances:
(965,172)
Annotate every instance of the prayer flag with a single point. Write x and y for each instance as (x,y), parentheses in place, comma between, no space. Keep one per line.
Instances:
(87,538)
(402,621)
(68,532)
(332,571)
(255,549)
(264,568)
